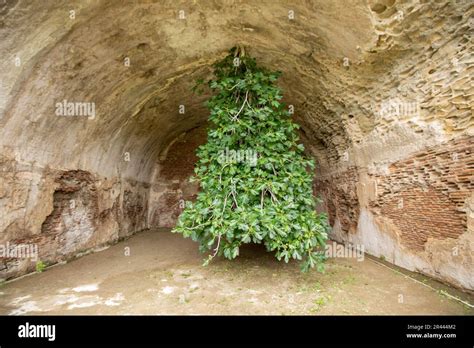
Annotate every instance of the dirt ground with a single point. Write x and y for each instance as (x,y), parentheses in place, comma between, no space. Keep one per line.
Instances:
(157,272)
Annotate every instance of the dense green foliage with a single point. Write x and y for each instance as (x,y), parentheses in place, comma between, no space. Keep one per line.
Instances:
(255,181)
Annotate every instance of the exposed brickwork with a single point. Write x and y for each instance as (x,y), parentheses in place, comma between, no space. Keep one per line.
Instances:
(87,211)
(76,188)
(340,197)
(181,157)
(424,195)
(173,186)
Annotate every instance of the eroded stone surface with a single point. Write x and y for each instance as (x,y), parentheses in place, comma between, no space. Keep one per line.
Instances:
(345,66)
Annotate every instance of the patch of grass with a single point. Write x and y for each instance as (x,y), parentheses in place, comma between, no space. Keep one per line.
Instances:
(186,274)
(183,299)
(467,309)
(442,294)
(222,301)
(303,288)
(349,280)
(40,266)
(317,286)
(320,302)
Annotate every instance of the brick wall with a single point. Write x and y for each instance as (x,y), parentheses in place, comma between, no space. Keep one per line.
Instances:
(64,213)
(172,187)
(424,195)
(339,196)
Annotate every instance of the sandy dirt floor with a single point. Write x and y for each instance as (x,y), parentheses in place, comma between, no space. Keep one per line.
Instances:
(163,274)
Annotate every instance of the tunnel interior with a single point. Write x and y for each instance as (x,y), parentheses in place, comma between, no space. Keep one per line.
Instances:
(382,91)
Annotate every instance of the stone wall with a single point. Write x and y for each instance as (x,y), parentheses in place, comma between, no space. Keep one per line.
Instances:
(171,187)
(339,192)
(426,194)
(384,176)
(417,213)
(62,213)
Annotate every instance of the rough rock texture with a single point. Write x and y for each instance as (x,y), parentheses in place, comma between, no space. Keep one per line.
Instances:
(64,213)
(382,88)
(171,187)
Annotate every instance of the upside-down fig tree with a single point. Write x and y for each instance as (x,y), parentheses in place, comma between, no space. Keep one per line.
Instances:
(255,180)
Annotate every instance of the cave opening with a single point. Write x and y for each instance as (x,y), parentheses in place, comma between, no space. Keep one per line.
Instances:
(382,91)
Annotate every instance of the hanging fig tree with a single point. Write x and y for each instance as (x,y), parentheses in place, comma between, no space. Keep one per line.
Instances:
(255,181)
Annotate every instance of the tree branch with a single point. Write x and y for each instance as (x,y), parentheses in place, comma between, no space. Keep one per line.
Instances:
(235,199)
(216,250)
(241,108)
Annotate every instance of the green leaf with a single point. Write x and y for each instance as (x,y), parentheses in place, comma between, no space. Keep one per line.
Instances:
(262,191)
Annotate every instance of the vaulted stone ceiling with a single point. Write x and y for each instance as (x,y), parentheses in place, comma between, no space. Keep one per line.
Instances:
(341,61)
(83,59)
